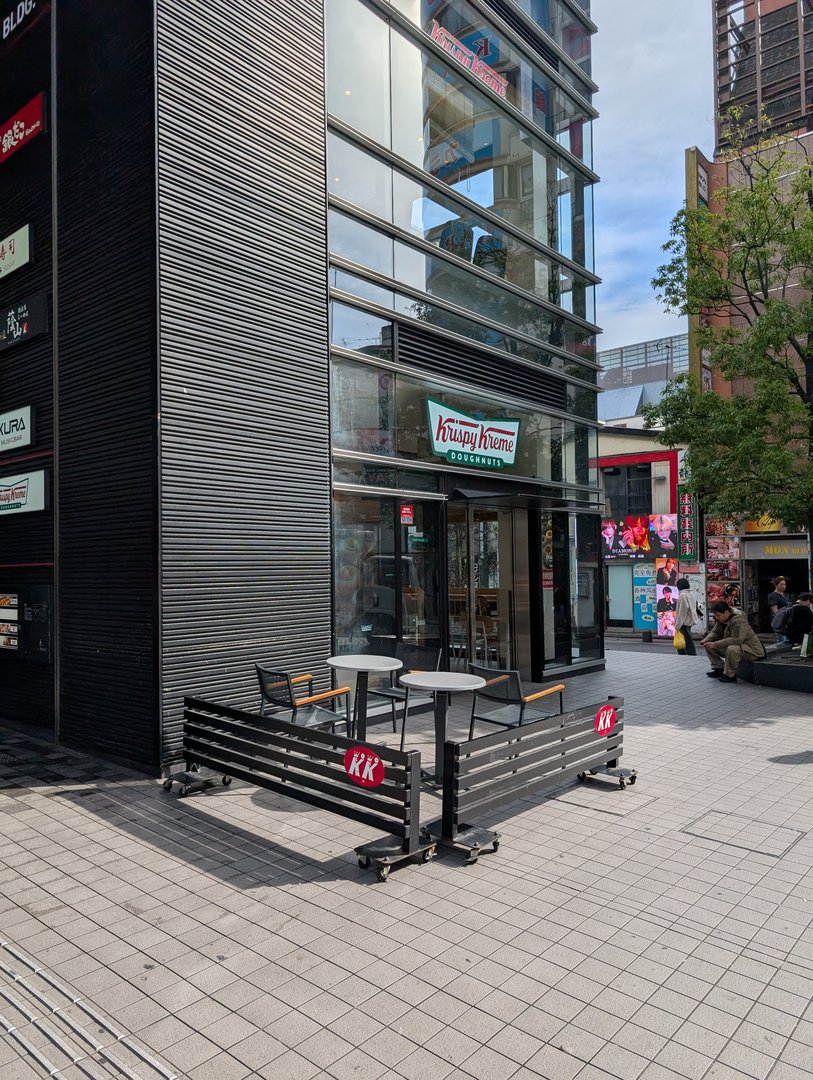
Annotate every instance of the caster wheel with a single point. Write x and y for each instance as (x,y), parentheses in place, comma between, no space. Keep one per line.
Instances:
(428,855)
(183,792)
(495,846)
(622,783)
(474,855)
(581,777)
(364,862)
(226,781)
(167,785)
(383,873)
(633,779)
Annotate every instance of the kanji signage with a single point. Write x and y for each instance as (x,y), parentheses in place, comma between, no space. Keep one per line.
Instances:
(364,766)
(22,494)
(22,127)
(15,251)
(23,321)
(467,440)
(688,547)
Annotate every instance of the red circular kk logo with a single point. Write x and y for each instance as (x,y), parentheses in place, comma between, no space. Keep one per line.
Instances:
(605,719)
(364,766)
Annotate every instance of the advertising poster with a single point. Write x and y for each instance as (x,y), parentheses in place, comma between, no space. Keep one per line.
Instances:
(666,595)
(635,536)
(666,572)
(644,599)
(663,536)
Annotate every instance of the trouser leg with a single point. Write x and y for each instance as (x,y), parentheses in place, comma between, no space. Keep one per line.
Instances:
(715,654)
(690,650)
(733,655)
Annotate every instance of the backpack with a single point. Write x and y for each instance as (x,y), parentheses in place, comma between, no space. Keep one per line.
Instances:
(781,619)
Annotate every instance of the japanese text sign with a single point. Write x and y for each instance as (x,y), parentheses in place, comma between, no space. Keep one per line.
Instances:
(24,320)
(15,251)
(688,549)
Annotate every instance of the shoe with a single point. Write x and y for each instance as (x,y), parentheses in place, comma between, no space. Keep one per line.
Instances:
(727,678)
(714,674)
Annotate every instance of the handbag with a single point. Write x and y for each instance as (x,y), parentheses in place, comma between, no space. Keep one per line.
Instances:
(679,640)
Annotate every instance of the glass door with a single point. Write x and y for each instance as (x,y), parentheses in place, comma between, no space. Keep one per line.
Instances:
(481,586)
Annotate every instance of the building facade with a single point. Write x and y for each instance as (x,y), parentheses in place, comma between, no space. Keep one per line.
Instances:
(252,415)
(764,60)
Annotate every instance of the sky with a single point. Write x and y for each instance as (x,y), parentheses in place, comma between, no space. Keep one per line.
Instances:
(652,60)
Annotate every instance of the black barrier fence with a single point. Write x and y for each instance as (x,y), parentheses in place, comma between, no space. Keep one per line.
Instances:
(309,766)
(486,773)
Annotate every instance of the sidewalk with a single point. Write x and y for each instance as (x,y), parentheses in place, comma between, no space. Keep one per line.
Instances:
(657,932)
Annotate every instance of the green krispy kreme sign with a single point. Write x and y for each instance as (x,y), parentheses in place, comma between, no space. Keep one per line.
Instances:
(466,440)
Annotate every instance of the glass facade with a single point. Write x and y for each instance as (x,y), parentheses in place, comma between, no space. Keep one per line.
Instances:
(460,185)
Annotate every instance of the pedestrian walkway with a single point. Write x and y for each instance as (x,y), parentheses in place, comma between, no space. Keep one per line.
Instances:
(662,931)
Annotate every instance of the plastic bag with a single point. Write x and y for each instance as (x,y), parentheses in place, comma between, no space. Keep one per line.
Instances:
(679,640)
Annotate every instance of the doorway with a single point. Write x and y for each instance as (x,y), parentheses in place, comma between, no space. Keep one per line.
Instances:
(488,594)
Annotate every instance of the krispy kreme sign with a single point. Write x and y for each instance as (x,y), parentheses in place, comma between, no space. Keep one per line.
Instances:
(468,440)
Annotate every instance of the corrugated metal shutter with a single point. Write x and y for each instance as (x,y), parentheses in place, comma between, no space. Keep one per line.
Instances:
(106,350)
(447,358)
(245,530)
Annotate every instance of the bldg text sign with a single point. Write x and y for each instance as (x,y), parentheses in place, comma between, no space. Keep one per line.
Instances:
(15,251)
(470,60)
(689,550)
(466,440)
(22,127)
(15,429)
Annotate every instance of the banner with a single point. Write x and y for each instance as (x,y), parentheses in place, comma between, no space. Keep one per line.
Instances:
(687,525)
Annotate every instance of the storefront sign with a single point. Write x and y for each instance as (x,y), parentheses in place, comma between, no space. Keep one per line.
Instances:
(25,320)
(15,429)
(764,524)
(465,440)
(687,525)
(407,514)
(605,719)
(644,597)
(469,59)
(779,548)
(15,251)
(22,494)
(22,127)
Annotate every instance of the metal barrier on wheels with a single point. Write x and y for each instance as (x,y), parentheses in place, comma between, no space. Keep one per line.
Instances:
(373,785)
(483,774)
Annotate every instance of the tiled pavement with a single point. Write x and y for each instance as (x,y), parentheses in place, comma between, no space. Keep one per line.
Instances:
(662,931)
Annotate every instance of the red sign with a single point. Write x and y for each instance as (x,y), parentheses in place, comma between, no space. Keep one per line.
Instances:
(407,514)
(605,719)
(364,766)
(22,127)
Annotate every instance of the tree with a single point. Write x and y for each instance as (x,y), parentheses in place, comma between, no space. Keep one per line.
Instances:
(747,273)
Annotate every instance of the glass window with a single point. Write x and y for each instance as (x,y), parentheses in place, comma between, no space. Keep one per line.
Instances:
(358,86)
(353,328)
(362,408)
(585,587)
(359,177)
(359,243)
(459,29)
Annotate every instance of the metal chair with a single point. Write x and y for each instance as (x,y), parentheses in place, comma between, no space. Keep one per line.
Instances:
(413,658)
(502,702)
(278,695)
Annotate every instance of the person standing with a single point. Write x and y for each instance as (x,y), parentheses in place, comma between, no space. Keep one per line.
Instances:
(776,601)
(730,639)
(686,615)
(800,620)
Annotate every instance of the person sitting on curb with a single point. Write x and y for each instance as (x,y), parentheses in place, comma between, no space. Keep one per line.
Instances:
(800,620)
(730,639)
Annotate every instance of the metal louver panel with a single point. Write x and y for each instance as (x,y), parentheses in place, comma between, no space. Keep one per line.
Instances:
(106,366)
(245,476)
(447,358)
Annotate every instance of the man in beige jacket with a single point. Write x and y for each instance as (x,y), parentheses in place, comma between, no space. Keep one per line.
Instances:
(730,639)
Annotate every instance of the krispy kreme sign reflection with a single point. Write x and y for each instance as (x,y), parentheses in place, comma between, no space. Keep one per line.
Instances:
(468,440)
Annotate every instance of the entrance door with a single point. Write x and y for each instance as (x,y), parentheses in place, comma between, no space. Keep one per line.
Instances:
(489,621)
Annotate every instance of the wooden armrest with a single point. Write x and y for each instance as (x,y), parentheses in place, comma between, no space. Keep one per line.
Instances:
(416,671)
(323,697)
(500,678)
(302,678)
(544,693)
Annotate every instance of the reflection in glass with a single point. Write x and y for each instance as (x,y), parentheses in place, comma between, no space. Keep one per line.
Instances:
(353,328)
(358,85)
(362,408)
(586,621)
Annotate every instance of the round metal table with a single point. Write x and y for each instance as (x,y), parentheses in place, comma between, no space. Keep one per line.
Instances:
(362,664)
(442,684)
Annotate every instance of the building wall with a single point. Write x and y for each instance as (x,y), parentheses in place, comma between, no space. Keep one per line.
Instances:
(245,461)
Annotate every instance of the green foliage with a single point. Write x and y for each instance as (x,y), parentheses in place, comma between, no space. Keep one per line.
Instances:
(752,452)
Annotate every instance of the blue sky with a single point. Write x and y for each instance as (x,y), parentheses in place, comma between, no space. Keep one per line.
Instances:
(652,60)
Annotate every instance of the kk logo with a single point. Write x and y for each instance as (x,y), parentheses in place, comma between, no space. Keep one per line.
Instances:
(364,766)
